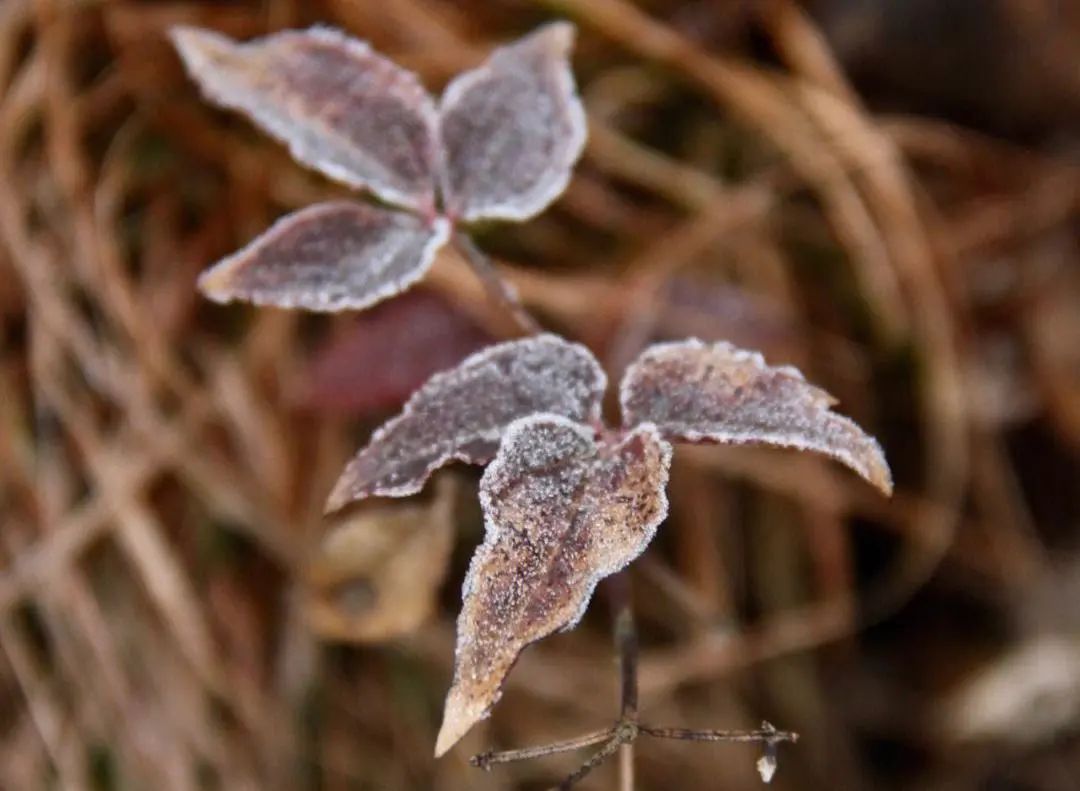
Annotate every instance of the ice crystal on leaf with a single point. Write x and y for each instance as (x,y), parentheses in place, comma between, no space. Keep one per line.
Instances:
(342,109)
(501,146)
(329,257)
(462,413)
(512,130)
(698,392)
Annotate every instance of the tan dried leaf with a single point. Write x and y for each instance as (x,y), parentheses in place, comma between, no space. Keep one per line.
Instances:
(562,511)
(377,572)
(700,392)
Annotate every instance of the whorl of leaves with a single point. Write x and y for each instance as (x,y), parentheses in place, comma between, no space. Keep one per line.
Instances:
(501,146)
(698,392)
(562,511)
(462,413)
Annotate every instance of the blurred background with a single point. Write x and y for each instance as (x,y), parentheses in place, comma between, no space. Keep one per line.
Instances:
(882,192)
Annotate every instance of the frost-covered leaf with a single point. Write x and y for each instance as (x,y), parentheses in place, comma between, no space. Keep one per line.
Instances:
(562,512)
(341,108)
(512,129)
(462,413)
(329,257)
(377,572)
(717,393)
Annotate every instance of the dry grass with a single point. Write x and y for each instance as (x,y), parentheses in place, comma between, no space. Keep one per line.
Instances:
(160,484)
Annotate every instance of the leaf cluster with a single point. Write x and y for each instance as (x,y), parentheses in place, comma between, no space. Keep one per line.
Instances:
(567,500)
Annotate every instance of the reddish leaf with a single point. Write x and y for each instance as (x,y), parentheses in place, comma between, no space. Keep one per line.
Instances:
(512,129)
(717,393)
(386,353)
(329,257)
(341,108)
(461,414)
(562,511)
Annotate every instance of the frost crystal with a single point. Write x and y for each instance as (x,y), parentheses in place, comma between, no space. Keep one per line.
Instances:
(462,413)
(512,129)
(717,393)
(342,109)
(562,512)
(329,257)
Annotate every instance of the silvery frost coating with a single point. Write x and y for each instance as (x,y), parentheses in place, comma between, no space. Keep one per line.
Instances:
(462,413)
(329,257)
(562,511)
(501,147)
(342,109)
(698,392)
(512,129)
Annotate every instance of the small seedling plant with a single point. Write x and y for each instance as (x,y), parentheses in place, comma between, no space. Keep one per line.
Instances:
(567,499)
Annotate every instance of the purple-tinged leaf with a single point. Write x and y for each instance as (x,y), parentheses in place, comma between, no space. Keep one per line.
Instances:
(462,413)
(562,512)
(512,129)
(341,108)
(329,257)
(386,353)
(701,392)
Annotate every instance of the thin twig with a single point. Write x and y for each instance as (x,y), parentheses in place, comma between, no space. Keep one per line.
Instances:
(767,734)
(490,758)
(594,761)
(496,286)
(626,644)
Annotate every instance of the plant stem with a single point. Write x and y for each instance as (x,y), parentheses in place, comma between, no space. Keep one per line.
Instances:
(594,761)
(496,286)
(626,643)
(767,734)
(490,758)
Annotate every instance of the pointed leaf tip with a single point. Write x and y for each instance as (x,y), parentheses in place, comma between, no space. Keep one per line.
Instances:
(698,392)
(461,414)
(562,511)
(460,715)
